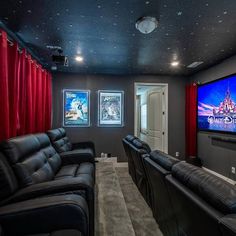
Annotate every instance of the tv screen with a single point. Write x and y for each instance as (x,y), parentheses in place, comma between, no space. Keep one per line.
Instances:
(217,105)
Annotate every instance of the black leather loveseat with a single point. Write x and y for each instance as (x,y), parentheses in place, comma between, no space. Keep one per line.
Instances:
(31,168)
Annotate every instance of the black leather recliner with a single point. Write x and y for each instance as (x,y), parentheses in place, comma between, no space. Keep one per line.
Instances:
(157,166)
(200,201)
(63,215)
(126,144)
(83,151)
(138,150)
(35,169)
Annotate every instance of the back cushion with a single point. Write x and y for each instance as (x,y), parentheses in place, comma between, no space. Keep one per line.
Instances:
(215,191)
(45,146)
(163,159)
(29,164)
(59,140)
(130,138)
(8,182)
(141,145)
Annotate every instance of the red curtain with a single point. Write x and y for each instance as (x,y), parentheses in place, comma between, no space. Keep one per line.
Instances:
(48,104)
(22,95)
(4,103)
(13,87)
(191,120)
(25,89)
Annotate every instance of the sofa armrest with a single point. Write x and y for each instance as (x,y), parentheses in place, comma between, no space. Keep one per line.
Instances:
(84,145)
(46,214)
(228,225)
(55,187)
(76,156)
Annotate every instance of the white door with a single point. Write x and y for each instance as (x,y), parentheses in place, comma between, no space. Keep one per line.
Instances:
(156,119)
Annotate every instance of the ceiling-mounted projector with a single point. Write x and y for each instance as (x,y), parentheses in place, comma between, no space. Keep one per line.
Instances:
(60,60)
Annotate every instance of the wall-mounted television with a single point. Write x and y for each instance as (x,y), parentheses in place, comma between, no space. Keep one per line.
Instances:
(217,105)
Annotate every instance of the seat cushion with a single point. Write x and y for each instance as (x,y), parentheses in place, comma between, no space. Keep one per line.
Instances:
(75,170)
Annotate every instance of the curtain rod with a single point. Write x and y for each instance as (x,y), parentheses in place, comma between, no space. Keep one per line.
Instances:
(20,50)
(11,42)
(11,37)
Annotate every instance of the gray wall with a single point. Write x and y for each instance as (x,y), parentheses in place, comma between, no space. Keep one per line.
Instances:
(109,139)
(216,155)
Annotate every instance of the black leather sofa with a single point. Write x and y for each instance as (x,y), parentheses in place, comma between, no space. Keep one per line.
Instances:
(200,200)
(185,199)
(158,165)
(83,151)
(31,168)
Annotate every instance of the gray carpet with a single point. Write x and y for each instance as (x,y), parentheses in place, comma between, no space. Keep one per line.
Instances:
(120,209)
(141,216)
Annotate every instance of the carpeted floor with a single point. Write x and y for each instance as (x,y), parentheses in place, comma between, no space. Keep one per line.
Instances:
(120,208)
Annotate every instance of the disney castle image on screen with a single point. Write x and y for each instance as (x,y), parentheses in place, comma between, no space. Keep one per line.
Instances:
(217,105)
(76,108)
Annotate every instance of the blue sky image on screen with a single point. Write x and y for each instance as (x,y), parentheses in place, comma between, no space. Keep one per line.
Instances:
(76,108)
(217,105)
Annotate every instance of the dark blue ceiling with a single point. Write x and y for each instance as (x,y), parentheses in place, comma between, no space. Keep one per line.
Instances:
(103,31)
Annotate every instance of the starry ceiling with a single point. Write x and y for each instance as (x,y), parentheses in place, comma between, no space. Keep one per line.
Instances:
(103,32)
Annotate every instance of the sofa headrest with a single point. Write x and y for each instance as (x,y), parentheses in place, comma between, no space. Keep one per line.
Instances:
(130,137)
(163,159)
(43,140)
(20,147)
(141,145)
(215,191)
(56,134)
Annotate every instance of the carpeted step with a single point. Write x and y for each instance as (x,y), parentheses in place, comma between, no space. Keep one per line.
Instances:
(112,217)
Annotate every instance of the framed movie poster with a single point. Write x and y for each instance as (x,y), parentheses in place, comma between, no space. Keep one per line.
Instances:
(76,108)
(111,108)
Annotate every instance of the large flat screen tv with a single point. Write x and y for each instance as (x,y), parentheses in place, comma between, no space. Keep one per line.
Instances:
(217,105)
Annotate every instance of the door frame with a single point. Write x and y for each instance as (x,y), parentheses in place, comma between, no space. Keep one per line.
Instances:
(165,86)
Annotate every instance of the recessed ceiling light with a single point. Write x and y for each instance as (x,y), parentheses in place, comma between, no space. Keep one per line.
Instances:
(175,63)
(79,58)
